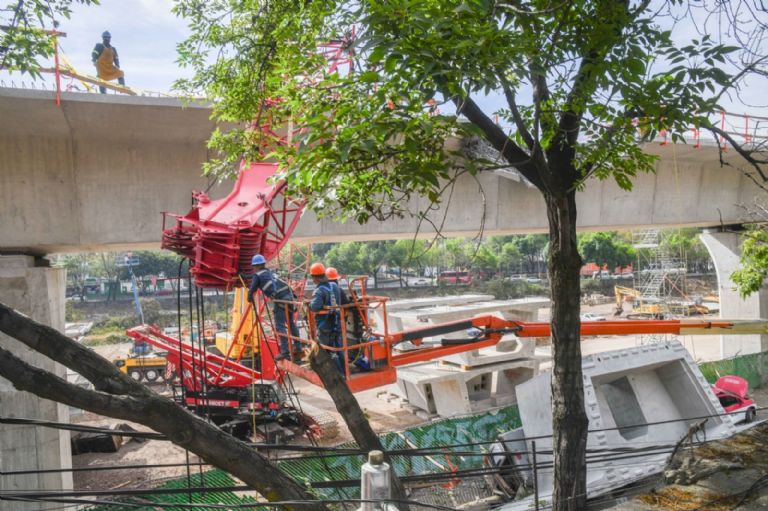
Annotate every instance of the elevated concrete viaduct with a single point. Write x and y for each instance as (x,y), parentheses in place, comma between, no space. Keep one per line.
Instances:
(95,173)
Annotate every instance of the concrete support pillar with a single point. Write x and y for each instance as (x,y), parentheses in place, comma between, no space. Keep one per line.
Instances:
(39,293)
(725,250)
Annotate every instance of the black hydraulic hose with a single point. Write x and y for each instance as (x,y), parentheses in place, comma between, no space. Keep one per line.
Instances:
(181,363)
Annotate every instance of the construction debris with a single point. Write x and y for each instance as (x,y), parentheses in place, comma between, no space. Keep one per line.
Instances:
(85,442)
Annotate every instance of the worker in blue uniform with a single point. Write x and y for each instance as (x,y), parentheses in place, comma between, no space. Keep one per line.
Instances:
(325,301)
(276,289)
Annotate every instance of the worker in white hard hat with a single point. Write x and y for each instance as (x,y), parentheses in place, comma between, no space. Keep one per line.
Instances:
(276,289)
(104,57)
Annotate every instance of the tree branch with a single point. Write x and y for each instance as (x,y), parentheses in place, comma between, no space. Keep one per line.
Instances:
(48,341)
(584,83)
(747,155)
(143,406)
(521,128)
(500,141)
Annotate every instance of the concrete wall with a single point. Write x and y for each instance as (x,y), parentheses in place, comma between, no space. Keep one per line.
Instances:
(39,293)
(725,249)
(95,173)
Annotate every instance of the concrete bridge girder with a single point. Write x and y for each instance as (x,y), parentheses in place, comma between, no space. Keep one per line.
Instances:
(95,173)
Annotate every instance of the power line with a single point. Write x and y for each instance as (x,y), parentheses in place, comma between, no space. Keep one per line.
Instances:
(432,450)
(255,505)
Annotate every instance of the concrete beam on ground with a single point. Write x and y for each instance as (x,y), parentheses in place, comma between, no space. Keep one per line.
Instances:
(95,174)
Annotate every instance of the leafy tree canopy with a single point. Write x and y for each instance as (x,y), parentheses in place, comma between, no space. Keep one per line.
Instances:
(754,262)
(591,75)
(605,248)
(25,27)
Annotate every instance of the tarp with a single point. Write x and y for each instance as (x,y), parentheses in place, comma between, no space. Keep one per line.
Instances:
(480,431)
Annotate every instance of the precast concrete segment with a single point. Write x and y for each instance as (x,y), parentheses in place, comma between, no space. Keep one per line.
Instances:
(95,173)
(39,293)
(642,396)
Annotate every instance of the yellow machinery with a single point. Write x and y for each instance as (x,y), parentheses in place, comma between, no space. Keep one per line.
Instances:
(646,309)
(149,367)
(242,339)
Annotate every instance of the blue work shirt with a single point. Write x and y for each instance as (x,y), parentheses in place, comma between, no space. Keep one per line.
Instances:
(270,286)
(326,294)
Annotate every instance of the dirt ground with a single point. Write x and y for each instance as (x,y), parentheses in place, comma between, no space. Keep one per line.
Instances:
(384,414)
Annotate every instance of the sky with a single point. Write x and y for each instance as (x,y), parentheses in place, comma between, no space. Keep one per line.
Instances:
(144,32)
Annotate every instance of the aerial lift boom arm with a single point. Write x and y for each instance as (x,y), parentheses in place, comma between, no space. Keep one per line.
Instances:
(488,331)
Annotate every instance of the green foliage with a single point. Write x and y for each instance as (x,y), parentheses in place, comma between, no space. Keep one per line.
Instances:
(685,243)
(531,248)
(605,248)
(156,262)
(100,340)
(754,262)
(372,139)
(115,324)
(589,287)
(24,40)
(151,309)
(506,290)
(71,314)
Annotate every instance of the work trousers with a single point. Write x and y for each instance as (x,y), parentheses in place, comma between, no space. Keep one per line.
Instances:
(333,339)
(284,319)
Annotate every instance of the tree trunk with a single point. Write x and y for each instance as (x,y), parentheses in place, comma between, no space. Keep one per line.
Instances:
(353,415)
(118,396)
(569,419)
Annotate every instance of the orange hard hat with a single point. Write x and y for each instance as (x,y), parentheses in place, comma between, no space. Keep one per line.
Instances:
(317,269)
(332,274)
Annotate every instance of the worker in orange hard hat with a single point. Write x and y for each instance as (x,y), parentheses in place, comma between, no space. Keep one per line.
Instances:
(332,274)
(353,317)
(326,299)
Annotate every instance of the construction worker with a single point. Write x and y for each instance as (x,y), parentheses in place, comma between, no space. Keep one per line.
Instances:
(104,57)
(276,289)
(325,301)
(332,274)
(354,321)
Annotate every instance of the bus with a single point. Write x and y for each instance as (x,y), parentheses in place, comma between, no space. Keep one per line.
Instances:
(454,277)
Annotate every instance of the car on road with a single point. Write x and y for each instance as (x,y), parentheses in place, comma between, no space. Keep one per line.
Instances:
(421,282)
(732,392)
(591,316)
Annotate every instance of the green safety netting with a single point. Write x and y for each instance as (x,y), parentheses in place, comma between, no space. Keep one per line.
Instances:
(476,429)
(753,368)
(208,479)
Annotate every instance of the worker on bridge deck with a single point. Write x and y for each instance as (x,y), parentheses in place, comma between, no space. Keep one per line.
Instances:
(326,299)
(276,289)
(104,57)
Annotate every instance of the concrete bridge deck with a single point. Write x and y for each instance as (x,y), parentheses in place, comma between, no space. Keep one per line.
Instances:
(95,173)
